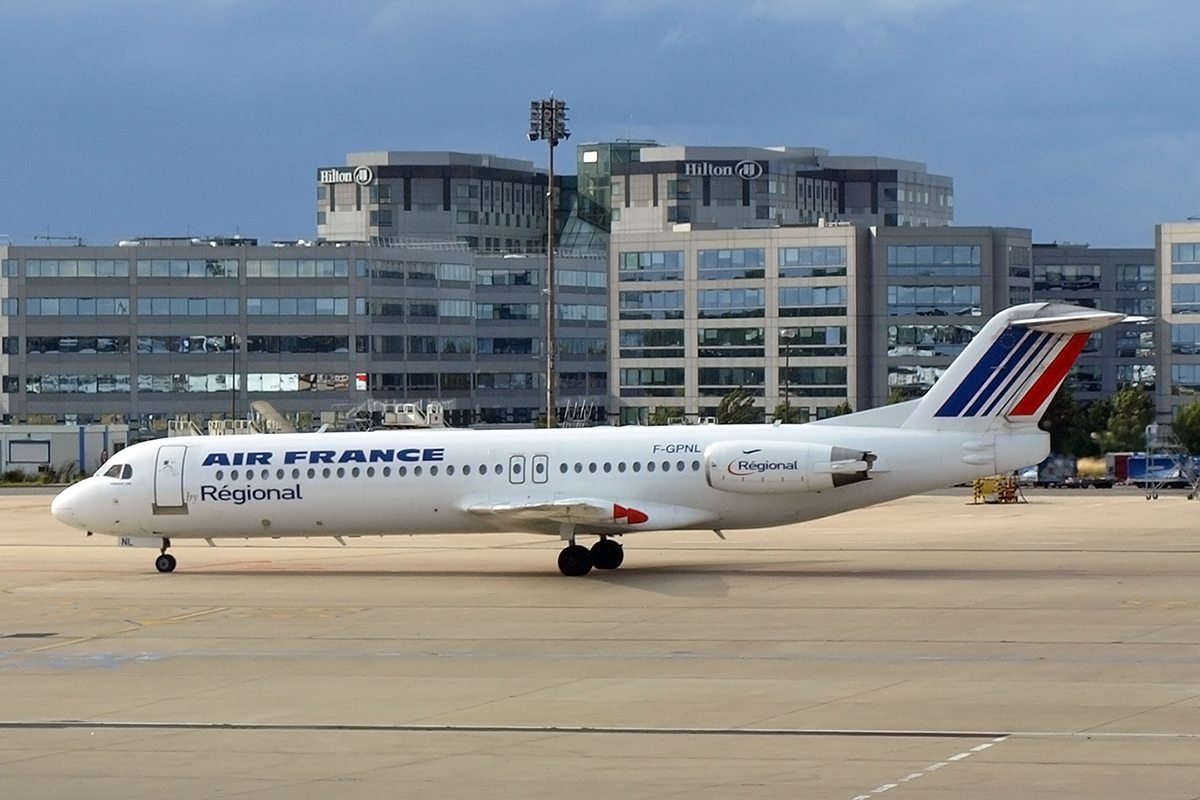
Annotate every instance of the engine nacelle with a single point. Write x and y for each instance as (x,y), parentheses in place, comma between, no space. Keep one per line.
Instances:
(780,467)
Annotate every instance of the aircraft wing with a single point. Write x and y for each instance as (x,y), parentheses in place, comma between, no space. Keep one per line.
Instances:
(589,513)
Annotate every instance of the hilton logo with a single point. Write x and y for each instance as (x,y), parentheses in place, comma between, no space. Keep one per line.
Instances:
(746,170)
(363,176)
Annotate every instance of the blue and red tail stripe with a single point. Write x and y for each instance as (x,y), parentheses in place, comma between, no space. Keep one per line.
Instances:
(1009,363)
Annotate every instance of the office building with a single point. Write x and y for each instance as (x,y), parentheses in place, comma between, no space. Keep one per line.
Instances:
(631,187)
(1177,329)
(1114,279)
(153,329)
(818,315)
(487,203)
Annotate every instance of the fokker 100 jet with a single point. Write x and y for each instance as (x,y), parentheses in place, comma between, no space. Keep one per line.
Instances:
(979,419)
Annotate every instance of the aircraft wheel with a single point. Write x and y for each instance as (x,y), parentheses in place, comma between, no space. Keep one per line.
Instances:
(575,560)
(607,554)
(165,563)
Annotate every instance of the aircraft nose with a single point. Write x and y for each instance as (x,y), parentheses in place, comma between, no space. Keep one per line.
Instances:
(62,509)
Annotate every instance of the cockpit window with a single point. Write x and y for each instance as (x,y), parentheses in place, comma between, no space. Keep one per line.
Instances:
(114,471)
(121,472)
(127,472)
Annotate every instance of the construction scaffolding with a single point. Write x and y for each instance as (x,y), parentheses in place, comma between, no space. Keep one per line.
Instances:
(1168,463)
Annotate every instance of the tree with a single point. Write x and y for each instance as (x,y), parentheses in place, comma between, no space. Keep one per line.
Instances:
(1132,411)
(1186,427)
(662,415)
(1070,424)
(788,413)
(737,408)
(841,409)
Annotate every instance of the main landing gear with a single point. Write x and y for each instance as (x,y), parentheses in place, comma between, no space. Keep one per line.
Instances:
(576,560)
(165,561)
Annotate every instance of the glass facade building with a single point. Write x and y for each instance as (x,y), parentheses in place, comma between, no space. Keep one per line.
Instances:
(148,331)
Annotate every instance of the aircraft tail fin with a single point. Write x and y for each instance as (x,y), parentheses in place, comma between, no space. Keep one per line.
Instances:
(1011,369)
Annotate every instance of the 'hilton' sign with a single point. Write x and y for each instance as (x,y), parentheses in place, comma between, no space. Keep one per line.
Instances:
(363,176)
(746,170)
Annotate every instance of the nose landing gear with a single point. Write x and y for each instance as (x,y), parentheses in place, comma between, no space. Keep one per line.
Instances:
(165,561)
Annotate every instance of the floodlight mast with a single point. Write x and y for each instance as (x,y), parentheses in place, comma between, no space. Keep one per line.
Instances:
(548,121)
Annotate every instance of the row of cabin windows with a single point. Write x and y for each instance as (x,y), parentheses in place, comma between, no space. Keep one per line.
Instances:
(498,469)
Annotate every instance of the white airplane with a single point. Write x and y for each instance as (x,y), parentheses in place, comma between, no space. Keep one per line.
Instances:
(979,419)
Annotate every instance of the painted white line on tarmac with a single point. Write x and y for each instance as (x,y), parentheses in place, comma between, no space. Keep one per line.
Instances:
(878,790)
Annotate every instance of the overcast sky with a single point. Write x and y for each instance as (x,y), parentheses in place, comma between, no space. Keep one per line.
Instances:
(1078,119)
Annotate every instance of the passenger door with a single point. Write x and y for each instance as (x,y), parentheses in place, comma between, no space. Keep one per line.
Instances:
(168,479)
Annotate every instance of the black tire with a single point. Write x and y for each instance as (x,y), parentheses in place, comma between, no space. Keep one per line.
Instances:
(607,554)
(574,561)
(165,563)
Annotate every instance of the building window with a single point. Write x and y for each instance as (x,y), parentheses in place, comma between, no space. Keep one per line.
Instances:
(909,381)
(651,305)
(1185,379)
(651,343)
(814,381)
(731,264)
(1185,258)
(730,343)
(1020,259)
(812,301)
(505,346)
(652,265)
(8,268)
(719,381)
(297,268)
(935,301)
(507,311)
(77,306)
(580,312)
(727,303)
(506,277)
(814,342)
(934,260)
(1135,306)
(929,340)
(679,214)
(1066,277)
(77,268)
(9,306)
(186,268)
(652,382)
(1136,343)
(84,345)
(289,306)
(1185,340)
(1135,277)
(812,262)
(1185,298)
(679,190)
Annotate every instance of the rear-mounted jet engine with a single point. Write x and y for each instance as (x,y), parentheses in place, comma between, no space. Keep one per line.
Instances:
(774,467)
